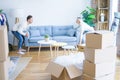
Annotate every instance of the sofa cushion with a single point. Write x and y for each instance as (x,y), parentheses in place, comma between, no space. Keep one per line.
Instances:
(61,30)
(34,33)
(64,38)
(35,39)
(71,32)
(45,30)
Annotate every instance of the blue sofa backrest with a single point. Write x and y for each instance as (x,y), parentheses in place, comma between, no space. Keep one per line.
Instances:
(50,30)
(42,29)
(61,30)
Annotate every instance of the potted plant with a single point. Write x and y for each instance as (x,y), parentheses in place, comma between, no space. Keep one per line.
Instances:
(89,16)
(46,37)
(1,18)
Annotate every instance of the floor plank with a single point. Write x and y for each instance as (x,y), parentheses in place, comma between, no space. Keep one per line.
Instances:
(35,70)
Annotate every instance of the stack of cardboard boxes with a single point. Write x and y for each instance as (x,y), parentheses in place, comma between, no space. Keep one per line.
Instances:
(3,53)
(100,56)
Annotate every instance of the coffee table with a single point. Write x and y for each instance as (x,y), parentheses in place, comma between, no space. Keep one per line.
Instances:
(43,42)
(57,45)
(69,48)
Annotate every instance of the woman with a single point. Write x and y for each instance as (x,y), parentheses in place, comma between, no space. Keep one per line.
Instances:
(83,28)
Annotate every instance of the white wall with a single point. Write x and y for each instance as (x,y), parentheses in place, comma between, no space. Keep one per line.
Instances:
(46,12)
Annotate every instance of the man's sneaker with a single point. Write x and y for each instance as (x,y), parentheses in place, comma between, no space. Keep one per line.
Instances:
(20,52)
(23,50)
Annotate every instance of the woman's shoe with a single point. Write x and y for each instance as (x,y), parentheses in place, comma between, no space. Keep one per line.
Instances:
(23,50)
(20,52)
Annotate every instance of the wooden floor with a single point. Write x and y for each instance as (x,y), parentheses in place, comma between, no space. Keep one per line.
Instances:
(35,70)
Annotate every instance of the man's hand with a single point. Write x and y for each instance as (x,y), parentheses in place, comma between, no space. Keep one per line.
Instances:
(26,35)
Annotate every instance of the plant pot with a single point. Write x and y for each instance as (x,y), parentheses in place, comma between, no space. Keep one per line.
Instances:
(46,39)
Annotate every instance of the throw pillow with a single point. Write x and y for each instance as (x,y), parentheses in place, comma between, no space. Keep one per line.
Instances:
(34,33)
(71,32)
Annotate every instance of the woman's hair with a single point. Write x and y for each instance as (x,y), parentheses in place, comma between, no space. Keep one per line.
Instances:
(79,18)
(29,17)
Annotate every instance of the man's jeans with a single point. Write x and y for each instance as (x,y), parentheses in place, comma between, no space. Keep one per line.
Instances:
(19,37)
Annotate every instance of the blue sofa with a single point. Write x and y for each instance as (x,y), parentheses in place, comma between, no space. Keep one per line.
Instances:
(58,33)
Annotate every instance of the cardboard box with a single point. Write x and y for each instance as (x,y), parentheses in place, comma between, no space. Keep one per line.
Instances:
(106,77)
(99,39)
(81,47)
(3,70)
(101,55)
(3,43)
(98,70)
(59,72)
(118,50)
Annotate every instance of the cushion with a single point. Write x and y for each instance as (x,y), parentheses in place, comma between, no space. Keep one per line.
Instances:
(64,39)
(34,33)
(45,30)
(35,39)
(61,30)
(71,32)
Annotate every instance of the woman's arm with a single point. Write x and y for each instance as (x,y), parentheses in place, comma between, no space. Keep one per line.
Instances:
(81,34)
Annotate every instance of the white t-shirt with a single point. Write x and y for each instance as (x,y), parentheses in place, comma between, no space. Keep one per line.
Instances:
(21,28)
(82,28)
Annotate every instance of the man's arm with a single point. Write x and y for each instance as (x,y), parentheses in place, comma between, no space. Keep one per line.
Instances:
(22,30)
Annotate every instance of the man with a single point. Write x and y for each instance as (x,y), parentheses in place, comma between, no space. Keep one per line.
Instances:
(20,30)
(83,28)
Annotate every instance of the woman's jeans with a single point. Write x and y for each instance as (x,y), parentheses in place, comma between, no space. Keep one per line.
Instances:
(19,37)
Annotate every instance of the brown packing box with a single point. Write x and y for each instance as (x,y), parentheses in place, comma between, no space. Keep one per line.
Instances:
(3,70)
(59,72)
(101,55)
(118,50)
(105,77)
(81,47)
(3,43)
(98,70)
(99,39)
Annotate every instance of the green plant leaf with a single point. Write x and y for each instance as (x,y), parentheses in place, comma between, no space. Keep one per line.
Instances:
(1,10)
(83,12)
(89,16)
(46,36)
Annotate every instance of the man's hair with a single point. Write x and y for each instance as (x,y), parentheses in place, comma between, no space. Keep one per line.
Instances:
(29,17)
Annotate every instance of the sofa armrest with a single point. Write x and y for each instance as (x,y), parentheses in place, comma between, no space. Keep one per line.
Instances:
(77,34)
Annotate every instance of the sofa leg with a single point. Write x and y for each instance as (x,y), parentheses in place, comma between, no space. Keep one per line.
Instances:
(28,49)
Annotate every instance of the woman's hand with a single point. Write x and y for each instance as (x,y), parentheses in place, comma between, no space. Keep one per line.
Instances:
(77,21)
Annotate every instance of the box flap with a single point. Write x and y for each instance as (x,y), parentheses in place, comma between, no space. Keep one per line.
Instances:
(55,69)
(102,32)
(73,71)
